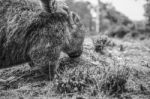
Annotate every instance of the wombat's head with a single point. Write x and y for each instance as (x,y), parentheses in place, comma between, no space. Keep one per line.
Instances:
(77,31)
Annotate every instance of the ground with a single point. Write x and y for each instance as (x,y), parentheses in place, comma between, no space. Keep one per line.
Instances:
(123,72)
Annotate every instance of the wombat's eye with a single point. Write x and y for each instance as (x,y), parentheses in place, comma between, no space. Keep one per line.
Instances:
(75,18)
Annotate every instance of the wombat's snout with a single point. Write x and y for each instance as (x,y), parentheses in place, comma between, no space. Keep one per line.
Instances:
(75,54)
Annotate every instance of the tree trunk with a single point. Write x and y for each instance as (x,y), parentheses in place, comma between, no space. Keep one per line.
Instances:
(98,17)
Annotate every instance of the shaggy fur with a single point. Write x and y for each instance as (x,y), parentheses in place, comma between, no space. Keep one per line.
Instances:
(30,34)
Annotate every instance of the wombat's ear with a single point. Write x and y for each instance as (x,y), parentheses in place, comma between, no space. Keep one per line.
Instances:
(48,5)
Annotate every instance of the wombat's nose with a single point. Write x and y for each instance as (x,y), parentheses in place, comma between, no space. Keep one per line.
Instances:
(75,54)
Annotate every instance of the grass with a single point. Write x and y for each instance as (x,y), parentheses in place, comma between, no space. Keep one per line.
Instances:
(123,75)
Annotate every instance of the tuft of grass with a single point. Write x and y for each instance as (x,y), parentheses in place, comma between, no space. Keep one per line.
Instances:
(114,79)
(101,43)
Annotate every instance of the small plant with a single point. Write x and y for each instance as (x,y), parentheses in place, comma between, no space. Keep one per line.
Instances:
(101,43)
(114,79)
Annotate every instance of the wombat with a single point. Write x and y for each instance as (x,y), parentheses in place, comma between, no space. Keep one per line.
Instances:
(37,36)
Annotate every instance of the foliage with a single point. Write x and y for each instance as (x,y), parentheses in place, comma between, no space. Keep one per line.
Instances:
(147,10)
(110,17)
(114,16)
(101,43)
(118,31)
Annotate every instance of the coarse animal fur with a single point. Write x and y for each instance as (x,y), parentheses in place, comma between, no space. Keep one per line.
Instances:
(37,36)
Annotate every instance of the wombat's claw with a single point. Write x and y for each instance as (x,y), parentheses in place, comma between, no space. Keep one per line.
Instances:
(2,81)
(42,73)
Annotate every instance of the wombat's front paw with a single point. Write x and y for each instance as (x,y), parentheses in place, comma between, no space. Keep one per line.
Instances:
(48,74)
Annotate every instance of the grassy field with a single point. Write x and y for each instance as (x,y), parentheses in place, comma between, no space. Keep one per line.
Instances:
(121,72)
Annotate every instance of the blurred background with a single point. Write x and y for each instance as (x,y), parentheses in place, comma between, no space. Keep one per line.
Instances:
(115,18)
